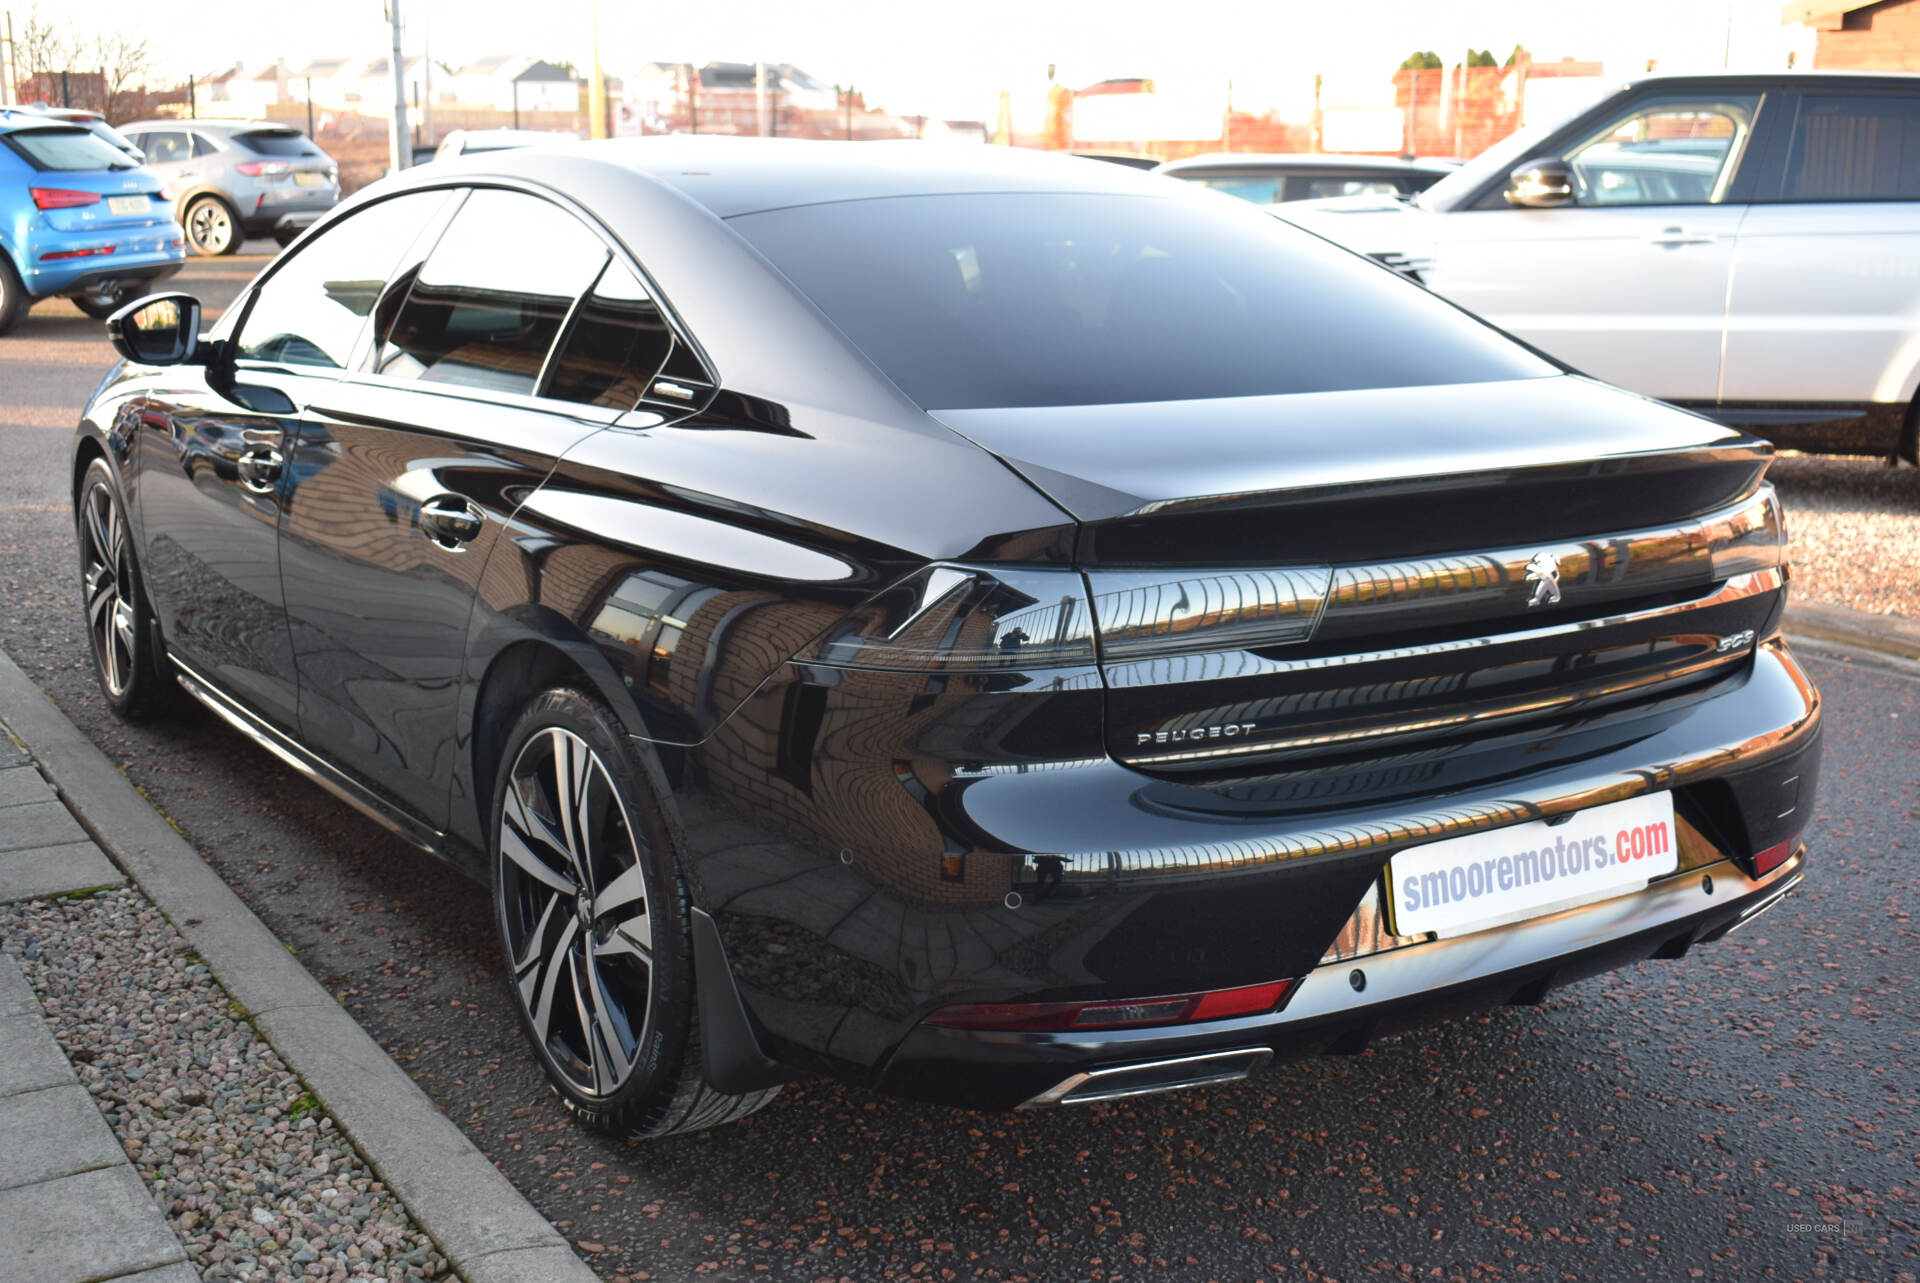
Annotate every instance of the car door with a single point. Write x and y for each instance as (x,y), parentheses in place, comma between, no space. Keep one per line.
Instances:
(1826,286)
(405,473)
(1628,281)
(212,449)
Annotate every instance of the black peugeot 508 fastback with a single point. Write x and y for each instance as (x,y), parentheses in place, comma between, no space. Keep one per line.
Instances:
(1004,629)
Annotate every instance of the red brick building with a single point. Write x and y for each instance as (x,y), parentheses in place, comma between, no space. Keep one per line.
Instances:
(1857,35)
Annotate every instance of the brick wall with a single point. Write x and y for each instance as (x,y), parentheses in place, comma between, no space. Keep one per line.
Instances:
(1479,112)
(1879,37)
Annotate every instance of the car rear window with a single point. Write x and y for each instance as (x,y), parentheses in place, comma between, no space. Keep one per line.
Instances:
(1020,299)
(277,142)
(66,149)
(1855,147)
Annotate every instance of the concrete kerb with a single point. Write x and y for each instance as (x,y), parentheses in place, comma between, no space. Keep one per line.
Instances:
(485,1227)
(1888,634)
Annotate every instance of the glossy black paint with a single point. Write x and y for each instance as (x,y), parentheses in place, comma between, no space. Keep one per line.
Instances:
(873,843)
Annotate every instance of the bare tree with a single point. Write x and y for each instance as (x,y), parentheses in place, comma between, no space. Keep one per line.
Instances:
(42,44)
(123,61)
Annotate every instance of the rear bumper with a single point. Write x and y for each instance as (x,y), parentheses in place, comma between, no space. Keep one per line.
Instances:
(93,273)
(290,211)
(922,878)
(1340,1006)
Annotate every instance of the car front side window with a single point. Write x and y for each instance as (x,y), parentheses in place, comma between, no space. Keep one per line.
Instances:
(1665,153)
(310,311)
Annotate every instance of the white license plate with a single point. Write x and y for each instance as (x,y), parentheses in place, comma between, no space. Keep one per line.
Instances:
(307,179)
(127,204)
(1485,879)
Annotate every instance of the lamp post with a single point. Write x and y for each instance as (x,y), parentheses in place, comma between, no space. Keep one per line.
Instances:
(398,153)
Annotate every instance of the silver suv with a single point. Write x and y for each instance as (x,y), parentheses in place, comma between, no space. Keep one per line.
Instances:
(232,179)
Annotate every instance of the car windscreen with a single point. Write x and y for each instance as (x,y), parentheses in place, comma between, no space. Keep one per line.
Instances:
(1023,299)
(277,142)
(66,148)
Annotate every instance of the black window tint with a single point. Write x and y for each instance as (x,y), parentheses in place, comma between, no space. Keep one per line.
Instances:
(618,342)
(1021,299)
(165,146)
(1855,148)
(277,142)
(310,311)
(487,303)
(201,147)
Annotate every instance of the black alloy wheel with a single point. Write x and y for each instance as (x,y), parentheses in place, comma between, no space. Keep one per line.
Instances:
(120,633)
(593,921)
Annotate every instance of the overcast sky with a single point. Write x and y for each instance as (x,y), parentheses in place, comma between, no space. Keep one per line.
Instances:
(952,57)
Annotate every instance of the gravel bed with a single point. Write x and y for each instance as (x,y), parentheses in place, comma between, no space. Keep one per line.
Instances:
(1855,526)
(256,1180)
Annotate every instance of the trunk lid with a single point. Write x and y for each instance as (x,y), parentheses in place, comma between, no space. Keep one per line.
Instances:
(1287,580)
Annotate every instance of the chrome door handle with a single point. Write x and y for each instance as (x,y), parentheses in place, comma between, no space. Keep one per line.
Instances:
(259,468)
(450,521)
(1679,236)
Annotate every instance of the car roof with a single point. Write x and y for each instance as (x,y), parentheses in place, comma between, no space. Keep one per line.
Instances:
(1826,79)
(13,119)
(228,124)
(733,175)
(1305,160)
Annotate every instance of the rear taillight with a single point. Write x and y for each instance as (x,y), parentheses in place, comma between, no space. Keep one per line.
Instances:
(94,251)
(1061,1017)
(966,619)
(1754,538)
(61,198)
(263,168)
(1153,613)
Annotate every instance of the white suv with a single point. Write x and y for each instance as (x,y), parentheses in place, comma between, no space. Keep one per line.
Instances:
(1746,246)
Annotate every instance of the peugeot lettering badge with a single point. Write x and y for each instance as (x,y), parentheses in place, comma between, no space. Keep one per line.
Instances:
(1543,572)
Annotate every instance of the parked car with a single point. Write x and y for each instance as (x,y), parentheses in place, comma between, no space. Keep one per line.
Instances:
(1719,241)
(239,178)
(91,121)
(465,142)
(1130,159)
(1274,179)
(78,218)
(1005,630)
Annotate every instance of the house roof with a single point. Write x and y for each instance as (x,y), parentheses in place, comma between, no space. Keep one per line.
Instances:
(322,67)
(1815,12)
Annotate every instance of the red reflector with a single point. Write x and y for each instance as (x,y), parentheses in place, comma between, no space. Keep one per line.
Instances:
(77,253)
(1773,857)
(1215,1004)
(61,197)
(1254,1000)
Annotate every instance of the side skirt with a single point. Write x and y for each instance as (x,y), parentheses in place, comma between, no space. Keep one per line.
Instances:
(334,781)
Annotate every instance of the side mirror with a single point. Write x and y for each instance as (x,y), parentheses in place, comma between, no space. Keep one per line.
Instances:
(160,329)
(1541,184)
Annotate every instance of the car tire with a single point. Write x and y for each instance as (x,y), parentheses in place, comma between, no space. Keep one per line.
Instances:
(13,295)
(127,658)
(101,306)
(594,925)
(212,228)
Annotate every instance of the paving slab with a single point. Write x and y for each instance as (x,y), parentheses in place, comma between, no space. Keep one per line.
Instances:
(54,1132)
(96,1225)
(45,823)
(30,1059)
(16,995)
(22,784)
(55,870)
(11,754)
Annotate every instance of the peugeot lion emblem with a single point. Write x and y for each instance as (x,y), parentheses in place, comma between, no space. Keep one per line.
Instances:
(1543,572)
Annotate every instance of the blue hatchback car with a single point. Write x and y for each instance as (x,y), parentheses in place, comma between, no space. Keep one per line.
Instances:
(79,218)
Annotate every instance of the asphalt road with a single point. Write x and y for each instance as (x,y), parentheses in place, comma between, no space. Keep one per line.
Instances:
(1677,1120)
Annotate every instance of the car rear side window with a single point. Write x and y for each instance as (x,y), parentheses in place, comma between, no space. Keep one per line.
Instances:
(277,142)
(485,307)
(1018,299)
(165,145)
(310,311)
(203,147)
(66,150)
(1855,147)
(618,342)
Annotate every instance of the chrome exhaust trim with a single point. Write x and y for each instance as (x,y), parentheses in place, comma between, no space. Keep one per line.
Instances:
(1748,914)
(1151,1076)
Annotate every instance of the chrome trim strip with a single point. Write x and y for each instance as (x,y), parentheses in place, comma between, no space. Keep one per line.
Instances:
(1206,1069)
(236,715)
